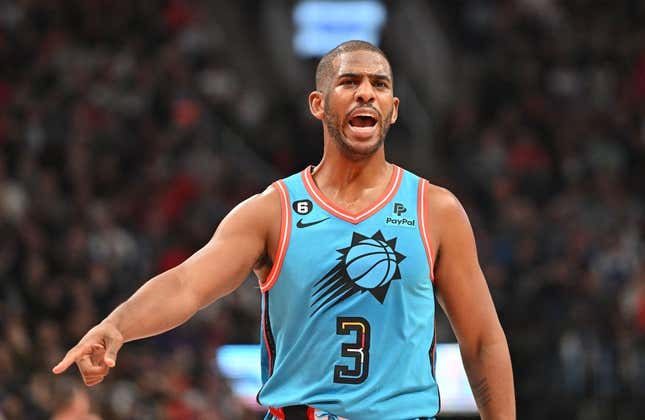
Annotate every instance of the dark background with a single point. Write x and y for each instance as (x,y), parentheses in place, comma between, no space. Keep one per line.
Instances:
(128,129)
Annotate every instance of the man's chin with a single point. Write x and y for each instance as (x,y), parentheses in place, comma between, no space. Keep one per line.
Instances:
(359,149)
(356,145)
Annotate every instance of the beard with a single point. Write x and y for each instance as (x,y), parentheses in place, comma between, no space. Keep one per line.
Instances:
(333,124)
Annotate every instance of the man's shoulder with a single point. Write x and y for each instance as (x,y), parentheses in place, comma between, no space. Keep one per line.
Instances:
(437,198)
(267,199)
(273,195)
(441,201)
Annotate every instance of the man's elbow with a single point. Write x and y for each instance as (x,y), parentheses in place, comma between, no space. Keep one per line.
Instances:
(186,288)
(490,339)
(199,291)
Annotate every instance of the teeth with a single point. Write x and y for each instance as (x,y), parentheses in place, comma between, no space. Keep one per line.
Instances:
(365,114)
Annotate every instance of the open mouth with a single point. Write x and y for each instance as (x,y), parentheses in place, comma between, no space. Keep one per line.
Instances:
(362,121)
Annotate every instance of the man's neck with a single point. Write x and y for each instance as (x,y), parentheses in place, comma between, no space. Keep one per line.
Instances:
(351,183)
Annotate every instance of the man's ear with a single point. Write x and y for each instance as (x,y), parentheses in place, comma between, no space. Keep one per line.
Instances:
(395,110)
(317,104)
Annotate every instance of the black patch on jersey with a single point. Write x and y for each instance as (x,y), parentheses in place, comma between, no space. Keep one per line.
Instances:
(302,206)
(338,285)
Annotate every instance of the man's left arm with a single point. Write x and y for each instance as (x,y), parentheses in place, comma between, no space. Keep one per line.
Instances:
(464,296)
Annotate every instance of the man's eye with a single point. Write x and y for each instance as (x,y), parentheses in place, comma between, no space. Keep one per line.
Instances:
(380,84)
(348,82)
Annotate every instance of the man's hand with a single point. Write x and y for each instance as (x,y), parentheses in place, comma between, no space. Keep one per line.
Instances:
(172,297)
(94,355)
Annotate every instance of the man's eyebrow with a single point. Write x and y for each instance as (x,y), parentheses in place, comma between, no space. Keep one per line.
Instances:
(371,76)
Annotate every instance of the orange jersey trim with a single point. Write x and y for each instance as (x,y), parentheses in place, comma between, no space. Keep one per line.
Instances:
(285,233)
(277,412)
(422,210)
(311,413)
(319,197)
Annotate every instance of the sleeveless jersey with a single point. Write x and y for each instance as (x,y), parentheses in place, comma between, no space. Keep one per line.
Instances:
(348,326)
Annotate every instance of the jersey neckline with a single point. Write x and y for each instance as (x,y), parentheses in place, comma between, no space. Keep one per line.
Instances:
(325,203)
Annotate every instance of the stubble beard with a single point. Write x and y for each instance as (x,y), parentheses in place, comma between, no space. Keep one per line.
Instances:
(332,122)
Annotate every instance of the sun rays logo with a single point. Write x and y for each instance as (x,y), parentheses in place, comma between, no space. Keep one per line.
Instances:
(369,264)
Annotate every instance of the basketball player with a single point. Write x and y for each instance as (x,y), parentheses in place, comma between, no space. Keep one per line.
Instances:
(350,256)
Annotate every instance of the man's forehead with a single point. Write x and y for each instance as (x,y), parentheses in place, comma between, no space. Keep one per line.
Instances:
(362,61)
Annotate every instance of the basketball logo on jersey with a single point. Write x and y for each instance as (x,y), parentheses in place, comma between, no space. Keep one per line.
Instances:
(369,264)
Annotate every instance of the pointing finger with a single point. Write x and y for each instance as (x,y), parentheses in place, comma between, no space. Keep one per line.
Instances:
(71,356)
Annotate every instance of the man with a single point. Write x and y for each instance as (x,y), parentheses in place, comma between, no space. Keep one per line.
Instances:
(348,277)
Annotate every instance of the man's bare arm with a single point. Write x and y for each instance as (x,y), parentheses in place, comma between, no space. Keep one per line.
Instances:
(169,299)
(464,296)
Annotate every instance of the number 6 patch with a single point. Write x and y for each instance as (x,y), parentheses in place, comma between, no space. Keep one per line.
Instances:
(303,206)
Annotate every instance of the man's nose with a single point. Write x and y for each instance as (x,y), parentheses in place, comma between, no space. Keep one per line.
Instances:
(365,91)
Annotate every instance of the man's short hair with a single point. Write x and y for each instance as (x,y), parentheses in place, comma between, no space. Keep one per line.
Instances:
(325,68)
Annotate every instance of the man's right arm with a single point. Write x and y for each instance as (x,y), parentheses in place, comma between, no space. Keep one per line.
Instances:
(170,298)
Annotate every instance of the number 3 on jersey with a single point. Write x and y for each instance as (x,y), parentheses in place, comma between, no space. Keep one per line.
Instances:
(359,350)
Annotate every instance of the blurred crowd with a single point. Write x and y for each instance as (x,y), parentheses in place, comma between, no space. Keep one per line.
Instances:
(112,168)
(122,135)
(548,153)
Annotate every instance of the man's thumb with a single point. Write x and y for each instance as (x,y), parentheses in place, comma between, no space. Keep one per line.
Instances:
(111,350)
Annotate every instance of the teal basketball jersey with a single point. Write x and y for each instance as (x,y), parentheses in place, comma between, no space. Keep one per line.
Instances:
(348,328)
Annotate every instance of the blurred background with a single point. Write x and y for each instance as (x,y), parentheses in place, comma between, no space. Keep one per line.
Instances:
(129,128)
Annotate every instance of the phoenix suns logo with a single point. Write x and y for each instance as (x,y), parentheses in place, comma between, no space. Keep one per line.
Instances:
(369,264)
